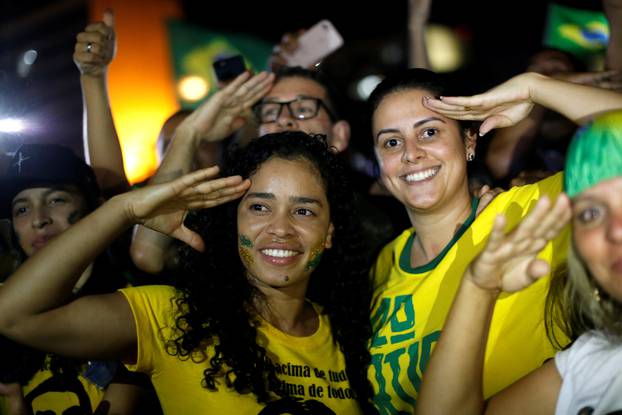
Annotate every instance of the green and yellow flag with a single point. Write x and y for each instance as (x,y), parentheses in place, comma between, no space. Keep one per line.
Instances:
(583,33)
(194,48)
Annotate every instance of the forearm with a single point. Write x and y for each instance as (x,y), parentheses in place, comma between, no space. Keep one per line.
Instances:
(613,10)
(576,102)
(101,143)
(455,370)
(418,54)
(148,246)
(47,278)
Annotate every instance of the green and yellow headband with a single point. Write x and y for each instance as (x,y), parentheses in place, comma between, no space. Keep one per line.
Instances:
(595,153)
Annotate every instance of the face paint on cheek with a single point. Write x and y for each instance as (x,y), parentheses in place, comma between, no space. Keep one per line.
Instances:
(74,217)
(246,257)
(245,242)
(316,256)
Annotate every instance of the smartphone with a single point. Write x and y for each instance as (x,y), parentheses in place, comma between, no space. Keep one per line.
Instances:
(228,67)
(315,44)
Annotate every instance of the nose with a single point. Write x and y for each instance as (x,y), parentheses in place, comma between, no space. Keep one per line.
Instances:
(40,218)
(615,228)
(412,151)
(280,227)
(285,120)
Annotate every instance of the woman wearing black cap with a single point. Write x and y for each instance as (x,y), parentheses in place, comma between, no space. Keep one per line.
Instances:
(45,190)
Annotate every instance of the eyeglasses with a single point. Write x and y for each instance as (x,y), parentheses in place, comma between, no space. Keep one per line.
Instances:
(302,108)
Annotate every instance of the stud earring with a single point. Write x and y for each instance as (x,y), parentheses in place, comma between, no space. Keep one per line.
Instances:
(596,295)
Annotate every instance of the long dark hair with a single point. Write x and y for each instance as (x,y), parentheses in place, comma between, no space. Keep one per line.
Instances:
(216,297)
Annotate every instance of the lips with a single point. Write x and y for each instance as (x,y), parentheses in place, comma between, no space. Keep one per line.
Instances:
(421,175)
(41,241)
(617,266)
(279,256)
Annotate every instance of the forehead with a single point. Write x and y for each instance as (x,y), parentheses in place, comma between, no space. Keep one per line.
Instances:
(608,191)
(403,108)
(291,87)
(33,193)
(299,175)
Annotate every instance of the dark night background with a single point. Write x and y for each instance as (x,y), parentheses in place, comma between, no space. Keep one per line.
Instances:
(501,34)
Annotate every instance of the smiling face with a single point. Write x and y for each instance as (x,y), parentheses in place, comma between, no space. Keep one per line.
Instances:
(283,225)
(597,231)
(422,154)
(39,214)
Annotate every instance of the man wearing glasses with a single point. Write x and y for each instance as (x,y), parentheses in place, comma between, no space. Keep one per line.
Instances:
(300,101)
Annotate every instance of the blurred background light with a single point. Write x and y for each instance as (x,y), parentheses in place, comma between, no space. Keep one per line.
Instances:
(366,85)
(12,125)
(192,88)
(444,48)
(25,62)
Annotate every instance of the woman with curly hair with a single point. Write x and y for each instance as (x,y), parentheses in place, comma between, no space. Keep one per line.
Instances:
(257,324)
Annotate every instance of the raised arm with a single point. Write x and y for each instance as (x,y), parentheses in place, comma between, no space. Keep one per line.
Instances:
(512,101)
(32,309)
(418,14)
(508,263)
(94,50)
(613,11)
(222,114)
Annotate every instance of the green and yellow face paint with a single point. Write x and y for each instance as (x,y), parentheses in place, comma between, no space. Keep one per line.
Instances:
(244,246)
(316,256)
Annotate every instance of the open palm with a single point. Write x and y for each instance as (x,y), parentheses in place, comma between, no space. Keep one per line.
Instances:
(228,109)
(509,263)
(163,207)
(502,106)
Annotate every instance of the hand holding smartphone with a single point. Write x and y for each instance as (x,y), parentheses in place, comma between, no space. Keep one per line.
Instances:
(228,68)
(315,44)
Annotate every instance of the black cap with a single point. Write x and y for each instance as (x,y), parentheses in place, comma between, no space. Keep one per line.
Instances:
(36,165)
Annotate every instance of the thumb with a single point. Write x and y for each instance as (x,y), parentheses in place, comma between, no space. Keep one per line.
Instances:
(109,18)
(492,122)
(189,237)
(537,269)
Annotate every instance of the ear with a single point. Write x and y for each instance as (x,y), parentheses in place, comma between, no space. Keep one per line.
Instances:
(340,136)
(470,140)
(328,242)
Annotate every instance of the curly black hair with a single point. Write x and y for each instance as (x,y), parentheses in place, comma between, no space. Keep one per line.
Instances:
(216,298)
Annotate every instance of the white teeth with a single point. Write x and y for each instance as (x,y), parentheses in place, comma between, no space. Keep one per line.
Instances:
(279,253)
(422,175)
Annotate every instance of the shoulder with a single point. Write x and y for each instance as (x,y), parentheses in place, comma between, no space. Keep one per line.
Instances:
(159,299)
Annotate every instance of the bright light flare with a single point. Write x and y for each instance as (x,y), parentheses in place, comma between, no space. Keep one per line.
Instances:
(12,125)
(192,88)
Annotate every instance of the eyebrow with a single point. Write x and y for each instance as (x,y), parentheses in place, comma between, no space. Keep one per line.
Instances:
(260,195)
(305,200)
(274,100)
(415,125)
(43,195)
(293,199)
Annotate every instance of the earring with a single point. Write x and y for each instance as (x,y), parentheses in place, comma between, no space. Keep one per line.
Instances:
(470,156)
(596,295)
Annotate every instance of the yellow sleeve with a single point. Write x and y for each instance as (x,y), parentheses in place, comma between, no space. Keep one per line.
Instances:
(153,311)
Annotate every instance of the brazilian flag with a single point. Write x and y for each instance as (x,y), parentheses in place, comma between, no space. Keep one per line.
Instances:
(584,33)
(194,48)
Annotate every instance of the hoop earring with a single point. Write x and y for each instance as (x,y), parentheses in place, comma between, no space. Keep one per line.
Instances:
(470,156)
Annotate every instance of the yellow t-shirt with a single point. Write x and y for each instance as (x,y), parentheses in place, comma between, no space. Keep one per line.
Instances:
(46,394)
(311,368)
(409,306)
